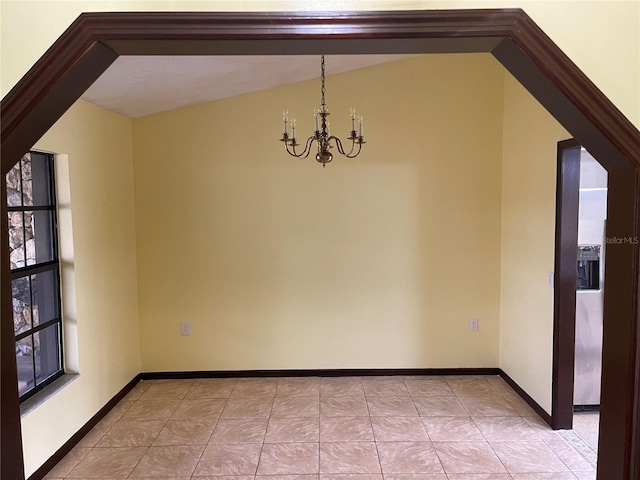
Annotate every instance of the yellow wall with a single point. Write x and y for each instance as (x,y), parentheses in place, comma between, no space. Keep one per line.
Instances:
(99,148)
(601,36)
(528,232)
(375,262)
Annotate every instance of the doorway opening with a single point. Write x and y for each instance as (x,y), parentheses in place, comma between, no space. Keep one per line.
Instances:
(581,243)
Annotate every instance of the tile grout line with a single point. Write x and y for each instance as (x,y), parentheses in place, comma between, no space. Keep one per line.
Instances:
(483,435)
(226,400)
(426,430)
(147,450)
(267,429)
(163,425)
(319,425)
(375,438)
(103,435)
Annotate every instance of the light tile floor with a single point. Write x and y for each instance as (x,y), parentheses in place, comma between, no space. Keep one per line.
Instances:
(369,428)
(587,425)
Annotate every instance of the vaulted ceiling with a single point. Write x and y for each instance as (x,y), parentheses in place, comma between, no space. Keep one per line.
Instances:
(136,86)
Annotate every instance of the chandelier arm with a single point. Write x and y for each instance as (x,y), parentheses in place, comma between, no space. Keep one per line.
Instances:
(342,150)
(305,153)
(357,153)
(338,144)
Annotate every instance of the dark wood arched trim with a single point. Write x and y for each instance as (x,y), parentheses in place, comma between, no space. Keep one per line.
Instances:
(565,284)
(95,40)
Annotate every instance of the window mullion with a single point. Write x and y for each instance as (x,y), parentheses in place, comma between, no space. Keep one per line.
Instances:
(34,269)
(41,326)
(30,208)
(21,184)
(33,337)
(24,233)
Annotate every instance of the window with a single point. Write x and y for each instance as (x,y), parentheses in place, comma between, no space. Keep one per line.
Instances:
(35,272)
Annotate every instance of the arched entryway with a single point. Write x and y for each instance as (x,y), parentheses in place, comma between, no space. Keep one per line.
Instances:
(94,41)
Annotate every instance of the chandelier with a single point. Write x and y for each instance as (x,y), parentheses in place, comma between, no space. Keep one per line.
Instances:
(322,135)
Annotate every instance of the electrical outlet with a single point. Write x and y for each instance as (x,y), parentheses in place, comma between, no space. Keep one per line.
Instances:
(185,329)
(473,325)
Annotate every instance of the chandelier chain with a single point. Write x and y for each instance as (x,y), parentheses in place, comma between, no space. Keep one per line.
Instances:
(322,78)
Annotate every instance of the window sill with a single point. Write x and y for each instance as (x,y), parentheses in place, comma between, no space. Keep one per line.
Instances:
(49,391)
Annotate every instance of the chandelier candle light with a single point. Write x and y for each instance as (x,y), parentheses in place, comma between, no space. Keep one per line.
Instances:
(322,134)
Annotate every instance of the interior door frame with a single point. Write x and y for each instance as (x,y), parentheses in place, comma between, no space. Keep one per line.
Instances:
(565,283)
(95,40)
